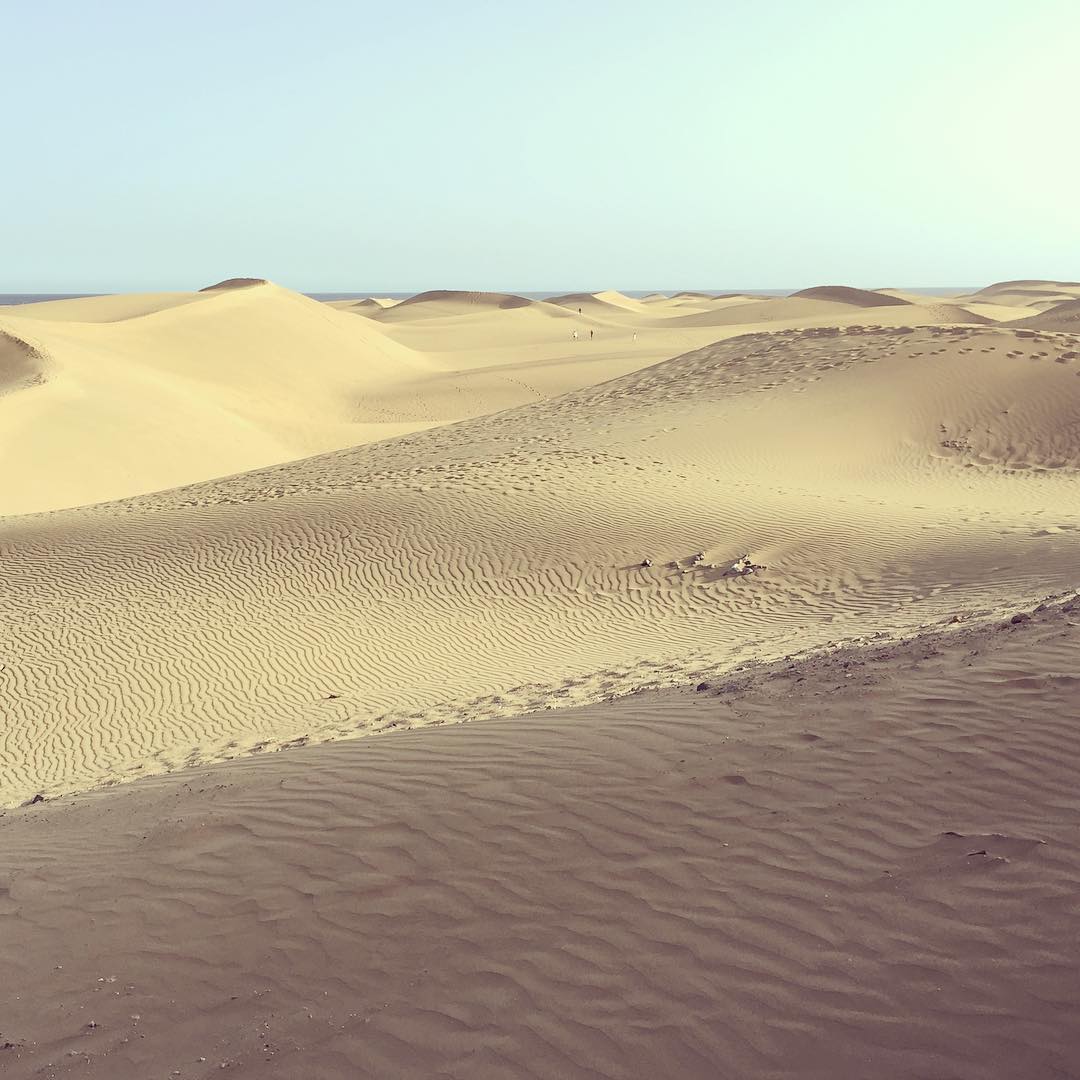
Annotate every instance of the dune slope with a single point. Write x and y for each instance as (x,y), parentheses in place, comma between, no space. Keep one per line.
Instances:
(1064,316)
(496,566)
(21,366)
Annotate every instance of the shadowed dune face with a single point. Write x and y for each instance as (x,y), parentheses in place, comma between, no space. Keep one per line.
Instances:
(843,294)
(446,303)
(496,566)
(609,298)
(21,366)
(235,283)
(502,301)
(1064,316)
(862,864)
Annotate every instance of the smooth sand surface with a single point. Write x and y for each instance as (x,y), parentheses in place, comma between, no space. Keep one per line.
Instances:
(854,862)
(134,394)
(849,866)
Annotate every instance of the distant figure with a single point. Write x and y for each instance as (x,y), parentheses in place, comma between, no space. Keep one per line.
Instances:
(579,311)
(574,334)
(590,335)
(635,335)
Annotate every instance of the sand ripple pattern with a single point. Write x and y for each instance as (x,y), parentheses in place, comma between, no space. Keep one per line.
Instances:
(493,567)
(856,865)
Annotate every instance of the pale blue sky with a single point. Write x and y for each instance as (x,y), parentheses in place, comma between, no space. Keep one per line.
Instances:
(402,146)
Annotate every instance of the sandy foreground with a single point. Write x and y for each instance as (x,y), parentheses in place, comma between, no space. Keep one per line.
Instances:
(813,820)
(863,864)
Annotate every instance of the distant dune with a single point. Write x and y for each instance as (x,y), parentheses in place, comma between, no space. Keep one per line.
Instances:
(150,391)
(368,302)
(1027,293)
(1063,316)
(843,294)
(1031,285)
(235,283)
(609,298)
(439,303)
(480,299)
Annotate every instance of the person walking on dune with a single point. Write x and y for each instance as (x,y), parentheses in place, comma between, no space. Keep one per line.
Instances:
(590,335)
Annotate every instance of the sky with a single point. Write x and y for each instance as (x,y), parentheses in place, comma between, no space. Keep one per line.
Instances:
(336,146)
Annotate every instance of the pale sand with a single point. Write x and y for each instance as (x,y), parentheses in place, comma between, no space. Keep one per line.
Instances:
(862,865)
(134,394)
(142,393)
(886,477)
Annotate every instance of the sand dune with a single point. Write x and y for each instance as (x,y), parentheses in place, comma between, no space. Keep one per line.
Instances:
(802,311)
(493,567)
(1063,316)
(135,394)
(1035,294)
(860,864)
(102,309)
(844,294)
(235,380)
(449,301)
(609,298)
(369,303)
(143,393)
(235,283)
